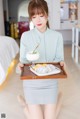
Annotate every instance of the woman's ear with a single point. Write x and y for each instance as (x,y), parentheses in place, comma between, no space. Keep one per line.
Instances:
(47,17)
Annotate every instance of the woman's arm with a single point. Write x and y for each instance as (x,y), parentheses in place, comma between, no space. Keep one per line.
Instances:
(23,49)
(59,55)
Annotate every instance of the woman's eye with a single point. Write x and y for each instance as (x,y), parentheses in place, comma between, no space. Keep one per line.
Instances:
(41,16)
(33,17)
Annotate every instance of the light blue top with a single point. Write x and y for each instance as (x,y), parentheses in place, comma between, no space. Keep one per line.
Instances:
(50,48)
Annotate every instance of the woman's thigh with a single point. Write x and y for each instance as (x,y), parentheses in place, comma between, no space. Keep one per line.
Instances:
(35,111)
(50,111)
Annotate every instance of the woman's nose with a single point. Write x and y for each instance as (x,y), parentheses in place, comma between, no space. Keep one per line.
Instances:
(38,18)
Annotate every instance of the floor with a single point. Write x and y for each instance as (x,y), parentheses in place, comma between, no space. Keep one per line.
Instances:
(70,87)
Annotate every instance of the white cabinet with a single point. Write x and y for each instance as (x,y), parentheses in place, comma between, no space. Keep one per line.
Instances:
(68,24)
(75,43)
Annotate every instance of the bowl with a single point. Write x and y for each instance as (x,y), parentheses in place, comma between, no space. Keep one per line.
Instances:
(32,56)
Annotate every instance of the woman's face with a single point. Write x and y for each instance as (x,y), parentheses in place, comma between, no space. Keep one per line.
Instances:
(39,21)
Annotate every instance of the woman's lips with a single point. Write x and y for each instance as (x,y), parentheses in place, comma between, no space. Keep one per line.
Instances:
(39,24)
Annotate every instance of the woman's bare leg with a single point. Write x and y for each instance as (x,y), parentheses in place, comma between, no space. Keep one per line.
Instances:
(31,111)
(35,111)
(58,105)
(51,111)
(22,102)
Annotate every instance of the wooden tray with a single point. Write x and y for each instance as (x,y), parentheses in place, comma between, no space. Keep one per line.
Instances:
(28,75)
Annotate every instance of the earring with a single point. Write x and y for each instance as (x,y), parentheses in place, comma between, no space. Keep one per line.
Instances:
(31,25)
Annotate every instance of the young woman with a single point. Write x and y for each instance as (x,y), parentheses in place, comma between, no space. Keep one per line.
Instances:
(41,92)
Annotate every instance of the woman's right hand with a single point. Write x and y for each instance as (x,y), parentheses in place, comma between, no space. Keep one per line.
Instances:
(20,65)
(19,68)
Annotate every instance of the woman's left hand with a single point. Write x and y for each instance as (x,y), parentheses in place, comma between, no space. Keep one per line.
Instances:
(62,64)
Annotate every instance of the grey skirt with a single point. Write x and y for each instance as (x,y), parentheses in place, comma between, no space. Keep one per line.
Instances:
(40,91)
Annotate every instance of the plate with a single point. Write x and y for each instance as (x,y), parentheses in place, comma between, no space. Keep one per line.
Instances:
(44,69)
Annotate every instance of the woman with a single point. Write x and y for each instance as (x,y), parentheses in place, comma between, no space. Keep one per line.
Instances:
(41,92)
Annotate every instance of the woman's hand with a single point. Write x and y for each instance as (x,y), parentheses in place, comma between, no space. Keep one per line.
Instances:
(62,64)
(20,65)
(19,68)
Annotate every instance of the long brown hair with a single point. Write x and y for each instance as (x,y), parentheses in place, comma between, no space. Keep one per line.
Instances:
(37,7)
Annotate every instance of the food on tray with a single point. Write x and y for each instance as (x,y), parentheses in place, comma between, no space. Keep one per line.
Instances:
(38,66)
(44,68)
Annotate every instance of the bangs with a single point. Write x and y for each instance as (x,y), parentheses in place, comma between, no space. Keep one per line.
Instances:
(36,11)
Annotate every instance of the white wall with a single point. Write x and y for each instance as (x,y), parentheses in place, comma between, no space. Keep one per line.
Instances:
(23,10)
(1,18)
(5,8)
(67,36)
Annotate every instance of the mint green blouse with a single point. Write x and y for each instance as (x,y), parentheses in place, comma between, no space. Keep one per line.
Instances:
(50,48)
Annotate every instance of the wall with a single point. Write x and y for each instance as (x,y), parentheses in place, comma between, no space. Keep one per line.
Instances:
(22,10)
(1,18)
(67,36)
(13,8)
(5,8)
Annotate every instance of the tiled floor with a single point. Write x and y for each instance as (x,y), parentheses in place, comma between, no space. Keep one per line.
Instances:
(70,88)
